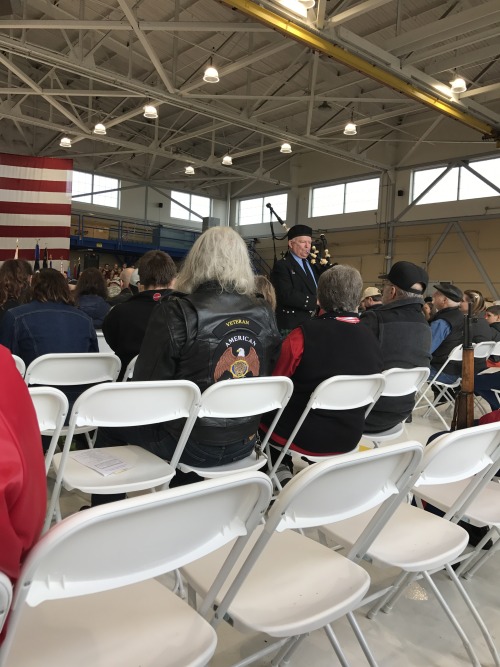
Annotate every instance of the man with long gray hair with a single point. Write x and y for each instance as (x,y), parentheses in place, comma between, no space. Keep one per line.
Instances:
(330,344)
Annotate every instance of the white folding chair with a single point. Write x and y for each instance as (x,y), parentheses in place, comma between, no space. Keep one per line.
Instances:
(129,371)
(122,404)
(102,343)
(399,382)
(231,399)
(419,542)
(20,365)
(69,369)
(51,407)
(445,389)
(285,584)
(5,598)
(87,594)
(475,499)
(341,392)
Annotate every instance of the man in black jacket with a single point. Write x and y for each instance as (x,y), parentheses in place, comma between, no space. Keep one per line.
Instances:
(404,335)
(295,280)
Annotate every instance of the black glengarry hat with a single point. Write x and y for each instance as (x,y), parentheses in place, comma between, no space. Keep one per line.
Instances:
(299,230)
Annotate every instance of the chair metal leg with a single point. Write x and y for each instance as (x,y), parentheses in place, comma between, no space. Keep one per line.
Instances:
(283,657)
(444,605)
(470,605)
(470,566)
(361,639)
(336,646)
(384,599)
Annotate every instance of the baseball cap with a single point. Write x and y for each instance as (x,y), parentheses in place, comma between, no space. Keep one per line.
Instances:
(299,230)
(371,291)
(450,291)
(406,274)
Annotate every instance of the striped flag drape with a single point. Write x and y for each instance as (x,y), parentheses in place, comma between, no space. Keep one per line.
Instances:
(35,205)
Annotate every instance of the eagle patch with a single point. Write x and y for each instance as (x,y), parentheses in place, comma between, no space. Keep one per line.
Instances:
(239,351)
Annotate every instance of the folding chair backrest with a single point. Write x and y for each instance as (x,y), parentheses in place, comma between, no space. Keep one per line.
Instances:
(51,407)
(20,365)
(5,597)
(139,538)
(460,454)
(66,369)
(484,349)
(496,350)
(455,354)
(102,343)
(135,403)
(129,371)
(404,381)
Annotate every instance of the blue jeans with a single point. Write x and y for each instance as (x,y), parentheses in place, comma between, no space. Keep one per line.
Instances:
(483,385)
(447,378)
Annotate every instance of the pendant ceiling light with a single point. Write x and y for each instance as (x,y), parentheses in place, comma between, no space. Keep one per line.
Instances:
(350,129)
(211,74)
(150,111)
(227,160)
(307,4)
(285,148)
(65,142)
(458,85)
(99,129)
(189,170)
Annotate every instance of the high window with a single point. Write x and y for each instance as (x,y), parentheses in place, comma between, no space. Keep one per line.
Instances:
(349,197)
(255,211)
(458,183)
(195,204)
(100,190)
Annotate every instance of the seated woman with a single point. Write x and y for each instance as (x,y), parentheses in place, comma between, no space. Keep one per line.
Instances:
(324,346)
(90,295)
(15,281)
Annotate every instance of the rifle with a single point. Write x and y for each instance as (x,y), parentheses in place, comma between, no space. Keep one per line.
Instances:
(463,415)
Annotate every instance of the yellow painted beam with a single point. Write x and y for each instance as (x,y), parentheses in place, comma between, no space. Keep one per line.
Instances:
(355,62)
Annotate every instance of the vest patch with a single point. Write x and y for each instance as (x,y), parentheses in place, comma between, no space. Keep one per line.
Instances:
(239,352)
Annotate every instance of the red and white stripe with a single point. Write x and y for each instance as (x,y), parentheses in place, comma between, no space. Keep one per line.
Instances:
(35,203)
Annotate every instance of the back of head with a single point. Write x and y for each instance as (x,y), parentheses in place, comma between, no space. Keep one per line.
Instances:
(125,276)
(156,269)
(51,285)
(476,299)
(91,281)
(219,255)
(339,289)
(264,287)
(494,310)
(15,276)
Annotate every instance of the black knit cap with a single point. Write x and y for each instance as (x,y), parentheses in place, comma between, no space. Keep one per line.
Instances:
(450,291)
(406,274)
(299,230)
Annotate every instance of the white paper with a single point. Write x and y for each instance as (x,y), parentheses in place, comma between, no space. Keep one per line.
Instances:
(494,369)
(100,461)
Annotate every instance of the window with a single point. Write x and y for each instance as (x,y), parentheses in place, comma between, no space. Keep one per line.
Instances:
(345,197)
(254,211)
(94,188)
(458,184)
(196,204)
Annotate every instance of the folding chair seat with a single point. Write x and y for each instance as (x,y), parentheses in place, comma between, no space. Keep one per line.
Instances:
(341,392)
(51,407)
(73,369)
(242,398)
(476,499)
(285,584)
(20,365)
(121,404)
(5,598)
(445,389)
(398,382)
(129,371)
(87,595)
(419,542)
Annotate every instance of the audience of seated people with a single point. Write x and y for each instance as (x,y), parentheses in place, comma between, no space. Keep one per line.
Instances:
(23,494)
(331,344)
(198,334)
(90,295)
(404,336)
(125,325)
(127,290)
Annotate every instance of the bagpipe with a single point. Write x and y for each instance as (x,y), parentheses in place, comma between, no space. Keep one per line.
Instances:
(318,248)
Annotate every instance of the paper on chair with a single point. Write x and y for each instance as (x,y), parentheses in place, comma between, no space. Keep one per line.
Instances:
(100,461)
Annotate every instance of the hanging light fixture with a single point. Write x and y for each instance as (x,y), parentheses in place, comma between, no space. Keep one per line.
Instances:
(227,160)
(350,129)
(65,142)
(150,111)
(458,85)
(211,74)
(307,4)
(99,129)
(189,170)
(285,148)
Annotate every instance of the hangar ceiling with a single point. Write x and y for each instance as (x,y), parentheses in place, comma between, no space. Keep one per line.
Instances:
(66,65)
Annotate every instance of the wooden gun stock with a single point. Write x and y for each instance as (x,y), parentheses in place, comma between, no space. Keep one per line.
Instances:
(463,415)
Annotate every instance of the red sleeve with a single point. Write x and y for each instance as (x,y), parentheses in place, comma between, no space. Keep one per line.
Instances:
(291,353)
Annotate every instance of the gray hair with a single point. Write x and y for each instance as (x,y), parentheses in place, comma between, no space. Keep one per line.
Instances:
(401,294)
(340,288)
(218,255)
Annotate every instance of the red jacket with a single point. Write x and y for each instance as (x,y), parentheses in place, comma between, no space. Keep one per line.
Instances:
(23,494)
